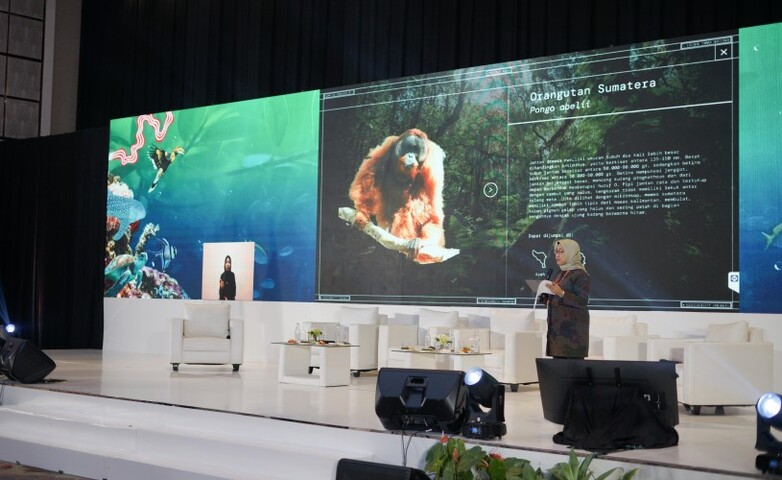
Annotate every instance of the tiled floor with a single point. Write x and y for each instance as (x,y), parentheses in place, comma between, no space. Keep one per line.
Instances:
(708,442)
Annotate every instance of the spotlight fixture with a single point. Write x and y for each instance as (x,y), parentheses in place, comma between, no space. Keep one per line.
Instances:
(10,328)
(769,414)
(484,391)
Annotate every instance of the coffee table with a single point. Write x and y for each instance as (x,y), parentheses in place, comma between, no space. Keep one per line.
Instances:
(334,367)
(417,357)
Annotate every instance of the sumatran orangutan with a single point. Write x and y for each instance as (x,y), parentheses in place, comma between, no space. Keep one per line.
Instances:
(400,185)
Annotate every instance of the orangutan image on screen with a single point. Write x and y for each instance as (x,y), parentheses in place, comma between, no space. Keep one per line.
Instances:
(399,185)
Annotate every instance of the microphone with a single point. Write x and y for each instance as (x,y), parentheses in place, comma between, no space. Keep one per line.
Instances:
(548,273)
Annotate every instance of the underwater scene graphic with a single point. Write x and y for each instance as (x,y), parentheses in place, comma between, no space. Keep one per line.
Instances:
(239,172)
(760,184)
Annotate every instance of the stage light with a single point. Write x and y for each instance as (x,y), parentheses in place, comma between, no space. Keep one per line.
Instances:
(481,386)
(484,391)
(769,414)
(10,328)
(769,406)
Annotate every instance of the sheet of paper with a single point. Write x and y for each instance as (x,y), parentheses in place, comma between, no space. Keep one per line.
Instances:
(543,287)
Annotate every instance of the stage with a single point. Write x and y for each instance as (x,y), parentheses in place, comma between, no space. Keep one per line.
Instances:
(116,416)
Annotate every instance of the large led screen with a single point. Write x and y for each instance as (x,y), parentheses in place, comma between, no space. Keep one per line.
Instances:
(214,202)
(761,169)
(450,188)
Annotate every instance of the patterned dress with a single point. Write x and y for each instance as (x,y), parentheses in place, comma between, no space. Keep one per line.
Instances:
(568,317)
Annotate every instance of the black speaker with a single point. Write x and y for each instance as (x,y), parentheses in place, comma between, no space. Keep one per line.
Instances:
(349,469)
(24,362)
(410,399)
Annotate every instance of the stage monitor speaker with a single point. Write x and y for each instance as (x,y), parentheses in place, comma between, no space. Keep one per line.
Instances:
(349,469)
(24,362)
(410,399)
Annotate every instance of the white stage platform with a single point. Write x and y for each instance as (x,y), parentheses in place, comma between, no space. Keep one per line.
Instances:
(129,416)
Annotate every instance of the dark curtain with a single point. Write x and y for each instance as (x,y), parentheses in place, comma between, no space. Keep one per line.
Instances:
(54,206)
(141,56)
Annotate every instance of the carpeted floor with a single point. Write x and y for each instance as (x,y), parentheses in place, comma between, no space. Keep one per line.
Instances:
(13,471)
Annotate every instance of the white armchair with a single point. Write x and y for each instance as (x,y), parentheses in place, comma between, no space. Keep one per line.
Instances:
(362,325)
(731,366)
(329,330)
(400,331)
(207,335)
(514,344)
(617,338)
(438,322)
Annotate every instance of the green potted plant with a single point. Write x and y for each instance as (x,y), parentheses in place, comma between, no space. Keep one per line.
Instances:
(450,459)
(314,334)
(443,341)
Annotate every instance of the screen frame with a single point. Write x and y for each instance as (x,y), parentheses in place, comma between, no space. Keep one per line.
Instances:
(511,257)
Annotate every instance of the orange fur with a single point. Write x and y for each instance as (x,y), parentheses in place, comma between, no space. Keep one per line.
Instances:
(403,196)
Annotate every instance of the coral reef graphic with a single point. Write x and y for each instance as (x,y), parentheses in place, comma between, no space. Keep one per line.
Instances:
(126,270)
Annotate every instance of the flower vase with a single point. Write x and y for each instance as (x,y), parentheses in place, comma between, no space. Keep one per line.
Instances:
(444,347)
